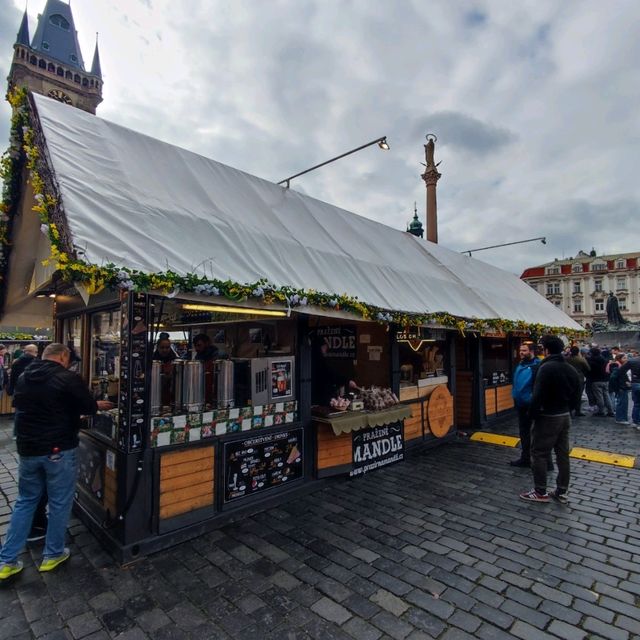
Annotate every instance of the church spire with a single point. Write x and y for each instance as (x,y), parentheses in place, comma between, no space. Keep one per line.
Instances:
(23,32)
(95,65)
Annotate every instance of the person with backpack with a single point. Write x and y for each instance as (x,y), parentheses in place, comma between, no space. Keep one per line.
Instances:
(522,388)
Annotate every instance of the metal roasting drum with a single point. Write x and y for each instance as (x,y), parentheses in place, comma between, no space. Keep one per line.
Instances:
(178,385)
(224,383)
(193,386)
(156,388)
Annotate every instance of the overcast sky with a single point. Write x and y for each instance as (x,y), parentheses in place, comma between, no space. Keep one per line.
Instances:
(535,105)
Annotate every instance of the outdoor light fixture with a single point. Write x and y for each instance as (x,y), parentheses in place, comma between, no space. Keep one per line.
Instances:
(221,309)
(542,239)
(381,142)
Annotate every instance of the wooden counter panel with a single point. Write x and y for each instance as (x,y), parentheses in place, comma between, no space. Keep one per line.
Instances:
(5,404)
(186,480)
(464,397)
(179,482)
(191,492)
(179,508)
(333,450)
(110,490)
(413,425)
(490,401)
(504,400)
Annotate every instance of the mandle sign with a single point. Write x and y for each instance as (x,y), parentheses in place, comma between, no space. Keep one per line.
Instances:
(377,447)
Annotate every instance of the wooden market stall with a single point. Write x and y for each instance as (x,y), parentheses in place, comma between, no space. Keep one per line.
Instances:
(328,341)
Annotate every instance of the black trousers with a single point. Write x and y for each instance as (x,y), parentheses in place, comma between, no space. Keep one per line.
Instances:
(550,433)
(524,425)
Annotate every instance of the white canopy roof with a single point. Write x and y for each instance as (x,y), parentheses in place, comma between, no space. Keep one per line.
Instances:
(144,204)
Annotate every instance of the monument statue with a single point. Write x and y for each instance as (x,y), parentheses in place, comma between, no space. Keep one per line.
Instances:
(614,317)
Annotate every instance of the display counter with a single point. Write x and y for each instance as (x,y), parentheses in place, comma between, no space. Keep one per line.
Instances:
(364,441)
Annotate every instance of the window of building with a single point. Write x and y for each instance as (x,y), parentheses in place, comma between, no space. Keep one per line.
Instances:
(45,46)
(621,282)
(59,21)
(600,266)
(622,304)
(60,71)
(553,287)
(558,303)
(599,305)
(73,57)
(553,271)
(42,63)
(51,67)
(76,78)
(577,286)
(620,264)
(597,285)
(534,285)
(577,268)
(577,306)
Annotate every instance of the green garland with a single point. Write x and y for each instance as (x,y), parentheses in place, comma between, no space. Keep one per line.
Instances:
(97,277)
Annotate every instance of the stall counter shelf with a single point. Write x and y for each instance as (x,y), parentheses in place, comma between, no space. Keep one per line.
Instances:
(421,388)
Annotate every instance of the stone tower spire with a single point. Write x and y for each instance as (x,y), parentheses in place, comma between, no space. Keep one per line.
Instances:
(431,177)
(51,64)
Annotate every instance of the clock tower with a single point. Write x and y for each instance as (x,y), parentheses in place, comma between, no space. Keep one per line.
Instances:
(51,63)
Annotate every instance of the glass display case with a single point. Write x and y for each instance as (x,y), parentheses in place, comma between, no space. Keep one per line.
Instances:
(104,357)
(72,337)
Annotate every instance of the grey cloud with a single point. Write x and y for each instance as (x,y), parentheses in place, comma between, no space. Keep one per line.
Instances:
(464,132)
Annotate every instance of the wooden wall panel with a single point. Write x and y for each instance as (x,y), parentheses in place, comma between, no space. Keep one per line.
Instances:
(186,480)
(110,490)
(504,399)
(464,398)
(490,401)
(413,424)
(333,450)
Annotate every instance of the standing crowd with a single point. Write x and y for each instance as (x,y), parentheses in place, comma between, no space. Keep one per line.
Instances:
(548,386)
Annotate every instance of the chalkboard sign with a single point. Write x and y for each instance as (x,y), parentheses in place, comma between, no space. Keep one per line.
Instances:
(377,447)
(263,462)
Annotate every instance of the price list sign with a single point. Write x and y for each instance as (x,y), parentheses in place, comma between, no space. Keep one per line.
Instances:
(257,464)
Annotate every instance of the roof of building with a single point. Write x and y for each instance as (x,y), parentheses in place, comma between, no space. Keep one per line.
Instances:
(56,35)
(23,32)
(95,65)
(147,205)
(580,258)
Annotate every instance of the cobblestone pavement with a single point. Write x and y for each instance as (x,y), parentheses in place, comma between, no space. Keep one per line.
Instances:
(436,547)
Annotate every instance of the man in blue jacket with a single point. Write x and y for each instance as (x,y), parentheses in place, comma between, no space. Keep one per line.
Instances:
(522,388)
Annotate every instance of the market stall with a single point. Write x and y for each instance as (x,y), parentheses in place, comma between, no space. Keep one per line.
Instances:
(230,351)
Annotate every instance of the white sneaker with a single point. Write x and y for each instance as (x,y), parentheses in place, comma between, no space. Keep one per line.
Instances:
(622,422)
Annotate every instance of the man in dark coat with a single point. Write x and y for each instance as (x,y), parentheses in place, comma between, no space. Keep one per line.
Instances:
(29,354)
(50,400)
(556,392)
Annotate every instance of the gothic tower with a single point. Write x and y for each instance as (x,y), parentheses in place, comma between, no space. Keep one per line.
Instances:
(52,63)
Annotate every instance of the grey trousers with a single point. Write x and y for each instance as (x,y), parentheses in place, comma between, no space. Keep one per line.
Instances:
(550,433)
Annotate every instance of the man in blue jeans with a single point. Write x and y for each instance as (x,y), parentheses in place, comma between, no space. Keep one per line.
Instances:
(633,365)
(50,400)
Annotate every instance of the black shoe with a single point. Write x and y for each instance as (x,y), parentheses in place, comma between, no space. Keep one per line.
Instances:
(519,463)
(37,533)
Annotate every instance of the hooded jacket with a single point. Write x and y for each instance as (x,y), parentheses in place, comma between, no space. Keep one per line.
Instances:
(49,401)
(557,389)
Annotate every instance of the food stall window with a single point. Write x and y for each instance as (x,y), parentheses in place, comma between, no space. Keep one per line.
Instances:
(105,354)
(72,337)
(496,361)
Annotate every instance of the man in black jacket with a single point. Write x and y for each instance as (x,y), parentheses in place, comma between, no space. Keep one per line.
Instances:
(633,365)
(50,401)
(556,392)
(29,354)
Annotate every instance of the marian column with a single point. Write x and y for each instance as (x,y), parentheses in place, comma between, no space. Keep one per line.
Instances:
(431,177)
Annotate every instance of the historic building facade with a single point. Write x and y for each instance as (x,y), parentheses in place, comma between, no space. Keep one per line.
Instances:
(51,63)
(580,286)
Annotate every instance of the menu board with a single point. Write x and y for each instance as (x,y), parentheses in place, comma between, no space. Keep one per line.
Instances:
(257,464)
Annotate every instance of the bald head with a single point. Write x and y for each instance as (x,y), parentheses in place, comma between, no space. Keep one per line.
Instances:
(31,349)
